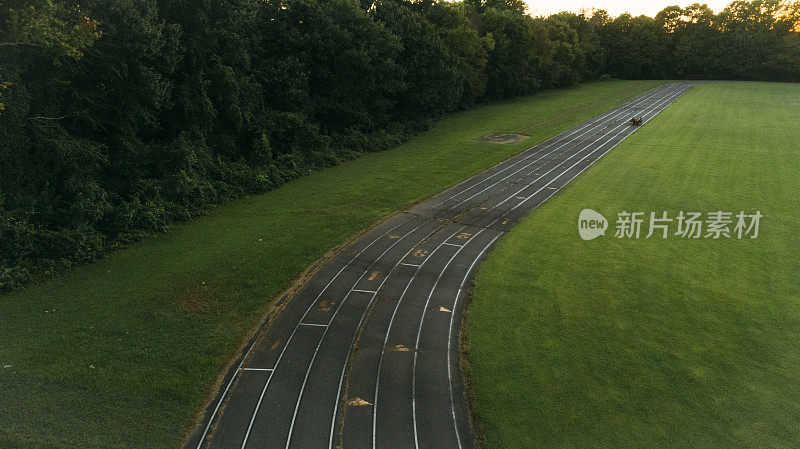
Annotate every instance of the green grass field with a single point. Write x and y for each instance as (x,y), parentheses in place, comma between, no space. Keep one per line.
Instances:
(654,343)
(123,353)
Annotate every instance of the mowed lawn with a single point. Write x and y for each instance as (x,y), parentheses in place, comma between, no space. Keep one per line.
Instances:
(654,343)
(124,352)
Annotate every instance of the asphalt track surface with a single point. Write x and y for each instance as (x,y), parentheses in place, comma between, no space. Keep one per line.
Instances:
(365,354)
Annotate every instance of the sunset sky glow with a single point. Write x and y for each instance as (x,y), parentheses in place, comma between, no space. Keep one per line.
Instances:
(614,7)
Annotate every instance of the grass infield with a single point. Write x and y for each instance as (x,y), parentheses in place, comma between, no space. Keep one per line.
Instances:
(654,343)
(124,352)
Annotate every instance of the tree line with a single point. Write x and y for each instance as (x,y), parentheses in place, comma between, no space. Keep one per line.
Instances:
(121,117)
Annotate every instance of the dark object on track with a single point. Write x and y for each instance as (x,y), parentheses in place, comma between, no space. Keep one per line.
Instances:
(636,121)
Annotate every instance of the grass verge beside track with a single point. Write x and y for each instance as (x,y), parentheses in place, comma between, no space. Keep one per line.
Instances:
(653,343)
(122,353)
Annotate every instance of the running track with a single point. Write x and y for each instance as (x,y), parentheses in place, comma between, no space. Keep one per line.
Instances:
(365,354)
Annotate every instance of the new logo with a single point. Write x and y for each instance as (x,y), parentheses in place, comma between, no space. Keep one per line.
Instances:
(591,224)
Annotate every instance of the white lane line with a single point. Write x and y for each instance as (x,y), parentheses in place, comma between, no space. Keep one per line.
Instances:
(352,343)
(581,147)
(380,363)
(460,289)
(389,329)
(416,343)
(669,92)
(622,128)
(409,264)
(257,369)
(562,144)
(419,330)
(622,108)
(452,244)
(560,138)
(668,100)
(286,345)
(222,398)
(363,291)
(557,138)
(333,317)
(612,147)
(314,324)
(335,313)
(450,334)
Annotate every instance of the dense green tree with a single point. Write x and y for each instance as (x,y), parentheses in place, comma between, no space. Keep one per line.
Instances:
(576,49)
(520,45)
(454,23)
(633,46)
(432,83)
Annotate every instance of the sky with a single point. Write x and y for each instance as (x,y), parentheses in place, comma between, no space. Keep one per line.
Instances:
(614,7)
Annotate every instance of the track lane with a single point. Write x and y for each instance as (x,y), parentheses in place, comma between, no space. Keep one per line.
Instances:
(270,424)
(306,373)
(566,145)
(566,136)
(554,145)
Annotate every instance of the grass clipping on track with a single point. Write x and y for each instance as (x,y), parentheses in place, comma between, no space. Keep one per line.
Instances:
(654,343)
(124,352)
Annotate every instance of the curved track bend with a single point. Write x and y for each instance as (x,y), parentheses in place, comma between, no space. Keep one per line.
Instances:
(365,354)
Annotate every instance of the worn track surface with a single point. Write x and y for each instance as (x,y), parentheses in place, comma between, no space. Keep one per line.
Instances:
(366,353)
